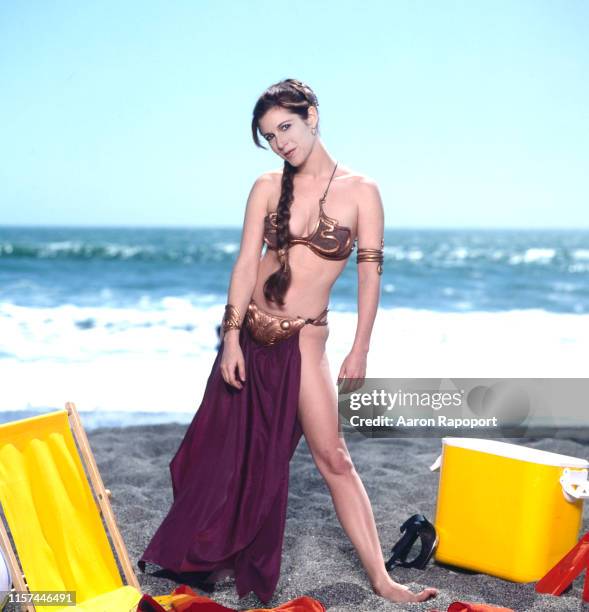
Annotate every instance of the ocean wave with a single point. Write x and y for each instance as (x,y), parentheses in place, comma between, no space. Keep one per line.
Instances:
(80,250)
(462,255)
(205,249)
(159,360)
(176,326)
(69,332)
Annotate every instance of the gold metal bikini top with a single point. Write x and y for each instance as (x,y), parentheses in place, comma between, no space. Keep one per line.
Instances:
(329,239)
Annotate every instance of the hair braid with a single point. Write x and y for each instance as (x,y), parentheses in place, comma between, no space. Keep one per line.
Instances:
(278,282)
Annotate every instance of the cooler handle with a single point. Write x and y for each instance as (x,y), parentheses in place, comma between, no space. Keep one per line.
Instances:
(436,464)
(575,484)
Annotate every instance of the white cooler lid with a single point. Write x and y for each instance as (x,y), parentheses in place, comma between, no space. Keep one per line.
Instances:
(516,451)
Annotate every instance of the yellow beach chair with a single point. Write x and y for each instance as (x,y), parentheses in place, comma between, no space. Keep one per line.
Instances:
(55,518)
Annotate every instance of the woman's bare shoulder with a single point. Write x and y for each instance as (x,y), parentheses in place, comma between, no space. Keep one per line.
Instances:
(269,184)
(358,183)
(271,180)
(271,175)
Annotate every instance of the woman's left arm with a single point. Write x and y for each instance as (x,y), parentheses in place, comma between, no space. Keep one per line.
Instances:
(369,261)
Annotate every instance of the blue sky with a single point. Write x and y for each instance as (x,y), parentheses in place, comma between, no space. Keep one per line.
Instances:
(468,114)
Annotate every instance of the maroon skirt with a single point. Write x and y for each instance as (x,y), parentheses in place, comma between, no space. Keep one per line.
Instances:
(230,473)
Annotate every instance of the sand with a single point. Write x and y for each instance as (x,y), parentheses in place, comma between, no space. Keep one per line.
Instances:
(318,559)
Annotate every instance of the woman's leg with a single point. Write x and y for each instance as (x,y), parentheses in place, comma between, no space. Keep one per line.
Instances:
(319,419)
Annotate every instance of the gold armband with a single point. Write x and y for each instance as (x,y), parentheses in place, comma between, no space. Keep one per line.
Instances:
(231,318)
(367,254)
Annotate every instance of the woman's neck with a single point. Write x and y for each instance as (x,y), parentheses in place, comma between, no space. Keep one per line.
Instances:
(318,164)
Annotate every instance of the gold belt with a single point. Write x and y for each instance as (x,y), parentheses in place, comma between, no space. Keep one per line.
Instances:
(267,328)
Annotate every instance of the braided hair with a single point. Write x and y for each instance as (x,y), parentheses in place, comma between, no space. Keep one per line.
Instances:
(297,97)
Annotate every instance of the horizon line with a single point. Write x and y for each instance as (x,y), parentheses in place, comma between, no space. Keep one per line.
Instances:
(239,227)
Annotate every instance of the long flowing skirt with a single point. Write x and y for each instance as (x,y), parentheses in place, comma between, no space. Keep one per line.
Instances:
(230,473)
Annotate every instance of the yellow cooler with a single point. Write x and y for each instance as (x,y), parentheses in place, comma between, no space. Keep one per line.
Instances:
(506,509)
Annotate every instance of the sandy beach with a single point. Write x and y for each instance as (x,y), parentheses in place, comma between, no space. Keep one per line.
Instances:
(318,560)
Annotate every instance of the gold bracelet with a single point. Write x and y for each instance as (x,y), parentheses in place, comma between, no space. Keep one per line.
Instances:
(231,318)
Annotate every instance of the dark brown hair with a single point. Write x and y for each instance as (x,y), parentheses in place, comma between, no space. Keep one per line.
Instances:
(295,97)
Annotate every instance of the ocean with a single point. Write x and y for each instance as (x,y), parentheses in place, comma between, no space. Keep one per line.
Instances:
(122,321)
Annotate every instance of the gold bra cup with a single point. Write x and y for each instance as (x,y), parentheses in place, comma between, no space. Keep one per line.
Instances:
(329,239)
(268,329)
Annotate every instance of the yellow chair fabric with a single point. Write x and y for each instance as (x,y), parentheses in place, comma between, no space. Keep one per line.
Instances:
(55,522)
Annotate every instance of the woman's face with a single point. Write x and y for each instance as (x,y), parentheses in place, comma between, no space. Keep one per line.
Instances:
(288,134)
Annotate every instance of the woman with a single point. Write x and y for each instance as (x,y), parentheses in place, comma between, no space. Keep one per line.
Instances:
(270,382)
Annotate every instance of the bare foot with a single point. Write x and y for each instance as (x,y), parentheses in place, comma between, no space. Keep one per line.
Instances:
(393,591)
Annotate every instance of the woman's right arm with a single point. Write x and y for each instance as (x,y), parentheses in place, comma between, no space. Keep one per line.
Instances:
(244,275)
